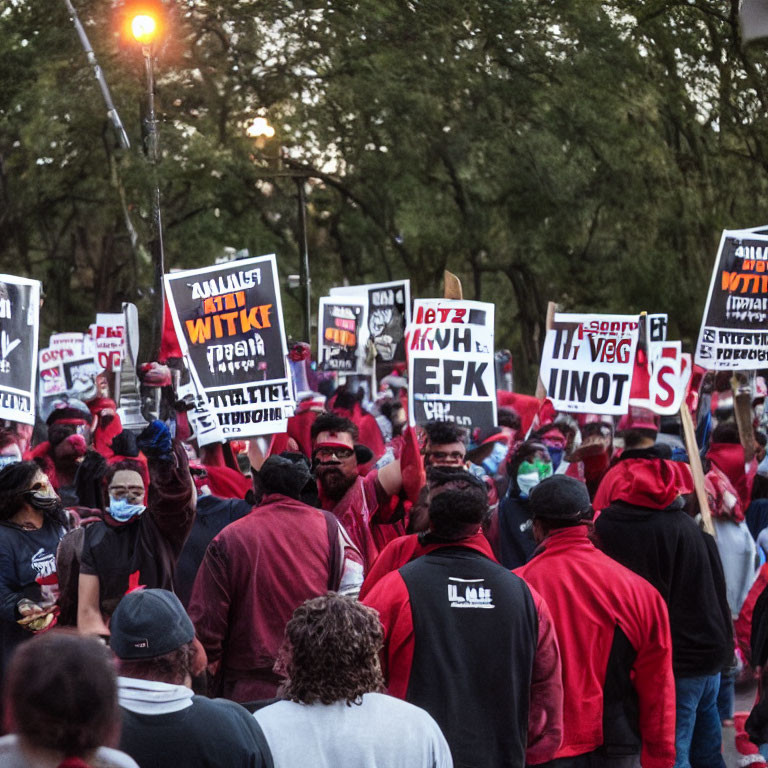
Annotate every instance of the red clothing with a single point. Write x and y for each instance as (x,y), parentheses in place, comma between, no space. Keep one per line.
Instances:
(391,599)
(401,551)
(255,573)
(228,483)
(729,459)
(644,482)
(590,597)
(362,510)
(742,627)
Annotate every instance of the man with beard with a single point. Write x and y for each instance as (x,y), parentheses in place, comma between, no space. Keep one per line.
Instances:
(31,525)
(361,504)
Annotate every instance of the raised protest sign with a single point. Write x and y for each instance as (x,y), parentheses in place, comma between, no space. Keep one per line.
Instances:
(108,336)
(450,363)
(662,372)
(19,323)
(229,323)
(587,362)
(340,323)
(389,313)
(734,329)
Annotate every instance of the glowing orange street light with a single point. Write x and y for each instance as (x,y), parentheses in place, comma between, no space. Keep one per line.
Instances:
(143,27)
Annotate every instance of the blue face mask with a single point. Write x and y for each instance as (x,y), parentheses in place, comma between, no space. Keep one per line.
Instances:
(493,461)
(556,454)
(122,511)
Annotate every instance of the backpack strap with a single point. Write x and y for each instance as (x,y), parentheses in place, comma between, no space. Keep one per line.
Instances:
(335,552)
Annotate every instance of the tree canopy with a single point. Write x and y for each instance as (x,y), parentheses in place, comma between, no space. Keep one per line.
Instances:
(587,153)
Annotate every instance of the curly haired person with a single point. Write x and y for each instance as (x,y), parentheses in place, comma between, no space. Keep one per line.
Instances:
(334,709)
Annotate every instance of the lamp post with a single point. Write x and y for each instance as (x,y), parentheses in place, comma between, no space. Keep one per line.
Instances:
(261,131)
(144,27)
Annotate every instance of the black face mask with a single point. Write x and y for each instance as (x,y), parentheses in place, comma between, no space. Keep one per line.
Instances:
(41,501)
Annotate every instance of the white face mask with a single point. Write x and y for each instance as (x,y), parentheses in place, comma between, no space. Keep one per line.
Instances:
(526,483)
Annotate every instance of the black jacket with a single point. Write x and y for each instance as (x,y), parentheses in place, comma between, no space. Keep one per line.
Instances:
(667,548)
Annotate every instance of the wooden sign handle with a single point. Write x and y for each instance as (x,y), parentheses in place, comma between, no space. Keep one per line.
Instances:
(453,289)
(691,446)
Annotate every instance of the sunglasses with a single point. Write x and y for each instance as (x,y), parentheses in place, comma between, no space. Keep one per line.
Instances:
(340,453)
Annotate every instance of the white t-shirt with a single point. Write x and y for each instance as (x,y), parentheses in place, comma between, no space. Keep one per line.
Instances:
(381,732)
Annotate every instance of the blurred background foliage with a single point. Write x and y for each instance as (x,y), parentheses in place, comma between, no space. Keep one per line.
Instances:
(572,150)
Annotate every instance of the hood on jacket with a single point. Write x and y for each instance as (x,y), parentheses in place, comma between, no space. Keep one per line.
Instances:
(644,482)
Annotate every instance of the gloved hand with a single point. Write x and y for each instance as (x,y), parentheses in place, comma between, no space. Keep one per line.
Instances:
(155,442)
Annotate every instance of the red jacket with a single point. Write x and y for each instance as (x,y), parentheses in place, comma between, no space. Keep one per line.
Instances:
(255,573)
(592,597)
(390,597)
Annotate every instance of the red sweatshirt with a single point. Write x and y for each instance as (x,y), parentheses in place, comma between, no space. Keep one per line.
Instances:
(597,605)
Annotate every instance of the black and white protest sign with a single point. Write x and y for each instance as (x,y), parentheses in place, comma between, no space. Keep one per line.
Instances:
(19,324)
(229,323)
(450,363)
(734,329)
(389,313)
(587,362)
(341,321)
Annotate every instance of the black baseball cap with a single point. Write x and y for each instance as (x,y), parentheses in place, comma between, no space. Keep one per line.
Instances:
(560,497)
(148,623)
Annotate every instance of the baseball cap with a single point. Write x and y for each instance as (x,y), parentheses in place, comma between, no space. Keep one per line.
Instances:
(148,623)
(560,497)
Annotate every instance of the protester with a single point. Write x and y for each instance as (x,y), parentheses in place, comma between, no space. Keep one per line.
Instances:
(68,436)
(484,662)
(644,526)
(406,548)
(164,723)
(212,515)
(334,708)
(613,632)
(61,706)
(258,570)
(32,523)
(362,504)
(136,545)
(10,449)
(528,464)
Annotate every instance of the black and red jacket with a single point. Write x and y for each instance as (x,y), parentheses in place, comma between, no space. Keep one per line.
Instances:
(473,645)
(644,526)
(613,631)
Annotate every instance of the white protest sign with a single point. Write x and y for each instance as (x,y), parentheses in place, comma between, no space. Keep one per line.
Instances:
(668,374)
(450,363)
(108,335)
(587,362)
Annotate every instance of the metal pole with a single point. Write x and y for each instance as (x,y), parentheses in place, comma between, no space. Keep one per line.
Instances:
(158,256)
(306,282)
(112,114)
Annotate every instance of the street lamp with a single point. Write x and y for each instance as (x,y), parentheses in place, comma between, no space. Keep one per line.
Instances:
(261,130)
(144,27)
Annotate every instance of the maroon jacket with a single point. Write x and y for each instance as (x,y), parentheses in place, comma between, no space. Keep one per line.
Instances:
(256,572)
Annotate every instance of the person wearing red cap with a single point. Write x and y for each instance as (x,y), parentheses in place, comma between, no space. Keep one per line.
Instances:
(644,526)
(613,632)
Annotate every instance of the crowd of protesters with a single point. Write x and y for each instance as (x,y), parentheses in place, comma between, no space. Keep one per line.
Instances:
(359,592)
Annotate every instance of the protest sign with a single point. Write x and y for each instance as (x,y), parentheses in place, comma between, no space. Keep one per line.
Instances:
(388,315)
(340,323)
(587,362)
(229,323)
(662,372)
(19,324)
(108,334)
(734,329)
(74,342)
(450,363)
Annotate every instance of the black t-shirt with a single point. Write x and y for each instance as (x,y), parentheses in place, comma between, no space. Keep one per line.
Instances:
(114,553)
(209,734)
